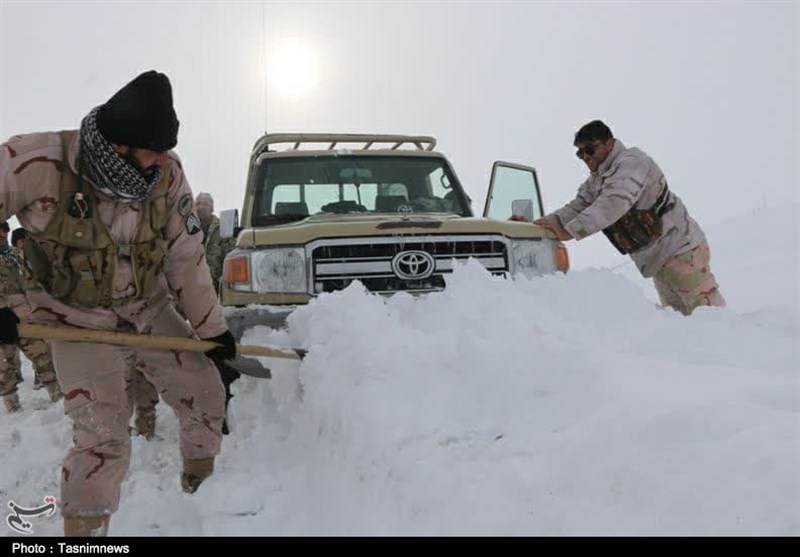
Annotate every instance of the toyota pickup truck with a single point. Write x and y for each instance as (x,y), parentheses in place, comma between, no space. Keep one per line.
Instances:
(323,210)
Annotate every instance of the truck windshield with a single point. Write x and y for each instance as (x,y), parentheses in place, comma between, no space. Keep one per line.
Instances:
(297,187)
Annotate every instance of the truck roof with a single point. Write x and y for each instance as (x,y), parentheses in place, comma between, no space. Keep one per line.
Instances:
(283,142)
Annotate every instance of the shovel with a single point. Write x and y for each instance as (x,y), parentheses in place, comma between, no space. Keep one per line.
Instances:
(246,366)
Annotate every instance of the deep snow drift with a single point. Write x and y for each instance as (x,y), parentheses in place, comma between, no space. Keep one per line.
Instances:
(563,405)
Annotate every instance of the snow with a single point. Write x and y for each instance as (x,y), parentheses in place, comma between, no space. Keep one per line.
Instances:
(560,405)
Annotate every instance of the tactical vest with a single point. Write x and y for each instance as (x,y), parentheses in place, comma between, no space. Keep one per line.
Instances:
(75,258)
(638,228)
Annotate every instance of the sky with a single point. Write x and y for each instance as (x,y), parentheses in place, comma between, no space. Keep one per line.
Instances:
(564,405)
(711,90)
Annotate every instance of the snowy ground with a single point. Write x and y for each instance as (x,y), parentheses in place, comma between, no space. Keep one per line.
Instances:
(565,405)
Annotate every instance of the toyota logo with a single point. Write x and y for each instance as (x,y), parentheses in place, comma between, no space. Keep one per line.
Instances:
(413,265)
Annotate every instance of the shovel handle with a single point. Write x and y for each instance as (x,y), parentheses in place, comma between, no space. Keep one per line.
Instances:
(67,334)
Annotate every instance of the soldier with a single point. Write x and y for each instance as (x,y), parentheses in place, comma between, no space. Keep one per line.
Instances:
(216,250)
(11,294)
(13,286)
(112,230)
(37,351)
(212,242)
(627,198)
(15,243)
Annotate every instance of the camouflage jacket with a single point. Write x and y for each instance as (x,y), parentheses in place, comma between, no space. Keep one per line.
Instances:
(629,178)
(213,245)
(30,174)
(216,247)
(13,282)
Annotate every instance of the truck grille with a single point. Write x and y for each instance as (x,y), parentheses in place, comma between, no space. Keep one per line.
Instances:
(399,264)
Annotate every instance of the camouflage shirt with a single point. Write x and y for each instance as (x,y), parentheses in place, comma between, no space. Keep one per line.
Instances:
(216,247)
(13,282)
(213,246)
(628,179)
(30,178)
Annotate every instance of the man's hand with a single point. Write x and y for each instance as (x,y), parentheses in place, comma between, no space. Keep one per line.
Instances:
(518,218)
(9,334)
(226,350)
(555,228)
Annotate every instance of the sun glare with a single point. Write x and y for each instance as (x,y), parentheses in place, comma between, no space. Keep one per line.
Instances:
(292,69)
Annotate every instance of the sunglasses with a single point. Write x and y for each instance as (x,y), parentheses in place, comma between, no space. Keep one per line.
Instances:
(589,150)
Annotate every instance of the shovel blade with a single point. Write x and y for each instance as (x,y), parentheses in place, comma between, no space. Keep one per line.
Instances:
(249,366)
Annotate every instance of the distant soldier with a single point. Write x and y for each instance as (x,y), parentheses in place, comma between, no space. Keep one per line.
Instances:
(37,351)
(209,222)
(216,250)
(13,285)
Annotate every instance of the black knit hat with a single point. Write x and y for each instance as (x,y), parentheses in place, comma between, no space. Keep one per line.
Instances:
(18,234)
(141,114)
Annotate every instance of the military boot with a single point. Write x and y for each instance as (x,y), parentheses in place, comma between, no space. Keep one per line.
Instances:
(86,526)
(11,403)
(194,472)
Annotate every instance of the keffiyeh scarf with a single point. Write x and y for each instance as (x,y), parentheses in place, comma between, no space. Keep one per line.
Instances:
(110,173)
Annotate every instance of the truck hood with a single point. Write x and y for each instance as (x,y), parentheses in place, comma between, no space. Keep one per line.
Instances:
(352,225)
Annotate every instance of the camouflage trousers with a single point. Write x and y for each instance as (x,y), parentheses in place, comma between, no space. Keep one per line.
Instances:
(686,282)
(37,351)
(97,380)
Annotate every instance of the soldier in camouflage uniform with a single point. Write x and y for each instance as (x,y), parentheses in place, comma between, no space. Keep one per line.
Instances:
(37,351)
(212,242)
(627,198)
(13,285)
(112,232)
(216,250)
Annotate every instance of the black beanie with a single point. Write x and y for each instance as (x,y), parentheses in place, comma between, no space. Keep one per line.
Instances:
(141,114)
(18,234)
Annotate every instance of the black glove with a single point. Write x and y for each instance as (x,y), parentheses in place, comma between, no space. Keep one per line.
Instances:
(226,350)
(8,326)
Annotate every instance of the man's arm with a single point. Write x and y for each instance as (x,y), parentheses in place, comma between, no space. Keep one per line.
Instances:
(569,211)
(30,170)
(187,271)
(19,166)
(555,220)
(618,195)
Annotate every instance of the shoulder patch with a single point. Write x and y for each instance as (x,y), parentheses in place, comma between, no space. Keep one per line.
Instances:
(193,225)
(185,205)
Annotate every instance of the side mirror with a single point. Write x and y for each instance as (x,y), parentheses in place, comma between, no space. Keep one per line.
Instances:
(228,223)
(522,209)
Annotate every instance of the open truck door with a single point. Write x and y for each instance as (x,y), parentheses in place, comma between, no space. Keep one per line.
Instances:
(513,190)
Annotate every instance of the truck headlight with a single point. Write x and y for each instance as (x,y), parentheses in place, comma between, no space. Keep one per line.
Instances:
(279,270)
(531,257)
